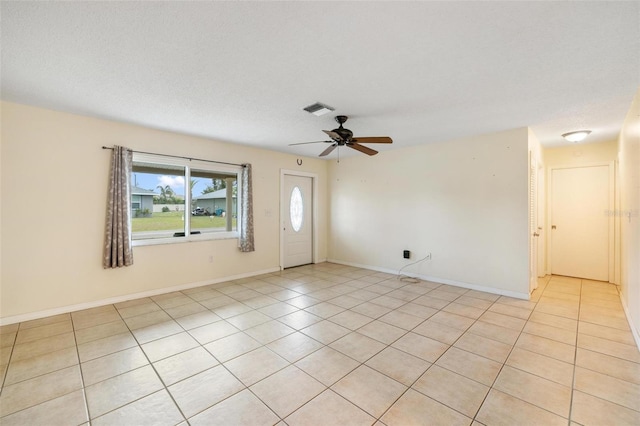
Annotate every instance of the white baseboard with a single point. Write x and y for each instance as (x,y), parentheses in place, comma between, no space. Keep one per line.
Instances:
(440,280)
(94,304)
(632,326)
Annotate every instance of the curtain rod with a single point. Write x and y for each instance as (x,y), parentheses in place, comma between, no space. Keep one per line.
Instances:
(184,158)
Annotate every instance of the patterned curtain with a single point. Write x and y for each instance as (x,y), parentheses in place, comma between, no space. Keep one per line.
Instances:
(117,236)
(246,204)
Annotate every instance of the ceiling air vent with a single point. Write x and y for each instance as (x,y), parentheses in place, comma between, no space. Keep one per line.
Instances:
(319,109)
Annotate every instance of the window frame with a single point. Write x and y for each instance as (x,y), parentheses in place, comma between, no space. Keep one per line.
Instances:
(199,165)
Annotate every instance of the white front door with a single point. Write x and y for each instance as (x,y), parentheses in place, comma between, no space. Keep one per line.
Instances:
(297,220)
(579,222)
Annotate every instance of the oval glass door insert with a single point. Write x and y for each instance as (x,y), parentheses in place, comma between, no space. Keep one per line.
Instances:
(296,209)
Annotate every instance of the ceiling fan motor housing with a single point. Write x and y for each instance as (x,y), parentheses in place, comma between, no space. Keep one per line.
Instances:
(345,134)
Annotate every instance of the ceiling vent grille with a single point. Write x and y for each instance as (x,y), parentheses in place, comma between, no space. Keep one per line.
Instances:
(319,109)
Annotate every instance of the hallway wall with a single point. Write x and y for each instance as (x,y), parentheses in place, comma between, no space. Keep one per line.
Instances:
(628,213)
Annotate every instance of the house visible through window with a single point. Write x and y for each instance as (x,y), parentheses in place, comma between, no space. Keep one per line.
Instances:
(175,200)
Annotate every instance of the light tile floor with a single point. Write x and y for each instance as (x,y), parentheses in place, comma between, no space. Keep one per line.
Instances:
(329,345)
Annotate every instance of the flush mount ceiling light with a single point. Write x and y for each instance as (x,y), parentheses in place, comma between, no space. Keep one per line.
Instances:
(576,136)
(319,109)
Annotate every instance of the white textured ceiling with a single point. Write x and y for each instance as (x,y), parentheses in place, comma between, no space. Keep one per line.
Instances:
(241,72)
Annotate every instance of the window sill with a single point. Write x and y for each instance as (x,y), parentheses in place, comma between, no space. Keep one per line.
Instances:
(189,239)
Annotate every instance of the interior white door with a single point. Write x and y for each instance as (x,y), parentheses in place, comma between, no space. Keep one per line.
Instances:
(297,220)
(534,232)
(579,224)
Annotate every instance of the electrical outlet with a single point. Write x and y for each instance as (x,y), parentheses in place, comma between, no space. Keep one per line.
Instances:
(406,254)
(210,258)
(428,257)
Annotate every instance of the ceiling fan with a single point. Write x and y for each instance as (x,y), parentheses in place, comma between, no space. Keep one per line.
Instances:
(344,137)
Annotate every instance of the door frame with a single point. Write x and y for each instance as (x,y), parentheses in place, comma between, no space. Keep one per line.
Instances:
(542,219)
(536,248)
(611,221)
(314,212)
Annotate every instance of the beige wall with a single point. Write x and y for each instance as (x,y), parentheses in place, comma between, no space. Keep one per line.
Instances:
(629,214)
(464,201)
(51,256)
(581,154)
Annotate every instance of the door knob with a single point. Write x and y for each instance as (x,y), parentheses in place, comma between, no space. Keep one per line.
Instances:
(553,227)
(535,234)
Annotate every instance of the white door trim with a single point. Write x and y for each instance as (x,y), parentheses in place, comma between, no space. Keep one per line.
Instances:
(611,221)
(534,200)
(314,213)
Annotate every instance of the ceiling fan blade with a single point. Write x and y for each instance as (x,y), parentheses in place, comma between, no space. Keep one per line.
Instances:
(333,135)
(376,139)
(362,148)
(304,143)
(328,150)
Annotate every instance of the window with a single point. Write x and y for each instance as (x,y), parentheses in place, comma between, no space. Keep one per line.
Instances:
(296,209)
(178,200)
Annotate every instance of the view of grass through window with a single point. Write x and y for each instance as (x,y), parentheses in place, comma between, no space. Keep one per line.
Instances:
(174,221)
(158,201)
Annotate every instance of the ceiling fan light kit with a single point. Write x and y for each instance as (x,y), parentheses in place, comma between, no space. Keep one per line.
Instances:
(344,137)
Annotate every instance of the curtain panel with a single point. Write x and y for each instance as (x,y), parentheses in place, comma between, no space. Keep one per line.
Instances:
(246,243)
(117,237)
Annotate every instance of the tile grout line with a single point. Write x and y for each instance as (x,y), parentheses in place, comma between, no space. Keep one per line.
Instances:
(505,363)
(84,392)
(498,374)
(575,356)
(360,364)
(350,331)
(140,346)
(436,360)
(222,364)
(475,320)
(6,371)
(513,345)
(290,364)
(598,352)
(254,309)
(40,375)
(150,364)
